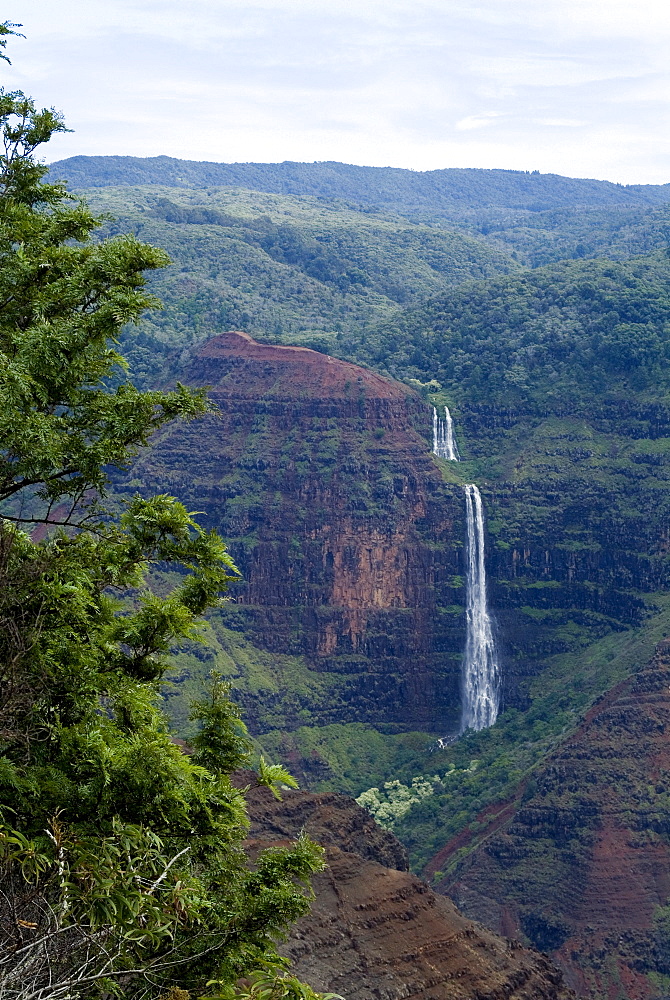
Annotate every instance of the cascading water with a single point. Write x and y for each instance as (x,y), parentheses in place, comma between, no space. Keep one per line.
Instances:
(481,672)
(444,443)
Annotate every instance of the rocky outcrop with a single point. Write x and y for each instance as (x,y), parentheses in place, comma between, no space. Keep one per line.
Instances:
(378,933)
(332,820)
(581,866)
(319,475)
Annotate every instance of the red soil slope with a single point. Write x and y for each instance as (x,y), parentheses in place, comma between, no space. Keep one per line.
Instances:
(255,369)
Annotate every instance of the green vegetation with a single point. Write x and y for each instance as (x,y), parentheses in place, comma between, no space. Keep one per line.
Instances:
(275,689)
(436,194)
(390,805)
(348,757)
(121,864)
(539,238)
(534,218)
(279,266)
(544,339)
(509,752)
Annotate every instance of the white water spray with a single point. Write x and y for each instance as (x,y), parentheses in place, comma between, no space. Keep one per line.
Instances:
(481,672)
(444,443)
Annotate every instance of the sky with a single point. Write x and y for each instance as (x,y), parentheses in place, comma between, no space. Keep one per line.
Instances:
(574,87)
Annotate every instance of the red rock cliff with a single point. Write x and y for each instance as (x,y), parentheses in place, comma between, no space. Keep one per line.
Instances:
(582,867)
(319,474)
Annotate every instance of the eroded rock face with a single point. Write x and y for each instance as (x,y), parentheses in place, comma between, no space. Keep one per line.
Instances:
(582,867)
(332,820)
(378,933)
(319,475)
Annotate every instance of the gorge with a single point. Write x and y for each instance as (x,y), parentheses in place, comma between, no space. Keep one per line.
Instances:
(344,642)
(578,864)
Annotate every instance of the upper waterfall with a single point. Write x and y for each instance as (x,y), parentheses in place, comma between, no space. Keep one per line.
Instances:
(481,672)
(444,443)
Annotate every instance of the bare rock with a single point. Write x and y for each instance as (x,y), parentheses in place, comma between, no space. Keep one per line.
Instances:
(377,932)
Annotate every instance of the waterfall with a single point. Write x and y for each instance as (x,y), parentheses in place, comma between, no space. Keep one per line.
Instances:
(481,673)
(444,443)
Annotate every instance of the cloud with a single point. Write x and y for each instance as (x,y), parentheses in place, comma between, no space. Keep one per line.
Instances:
(571,86)
(475,121)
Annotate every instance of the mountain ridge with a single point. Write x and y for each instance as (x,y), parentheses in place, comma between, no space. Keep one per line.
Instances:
(457,188)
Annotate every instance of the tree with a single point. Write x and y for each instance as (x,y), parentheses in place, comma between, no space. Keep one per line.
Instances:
(121,863)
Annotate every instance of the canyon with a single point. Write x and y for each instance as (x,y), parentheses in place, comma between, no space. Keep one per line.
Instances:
(580,863)
(349,536)
(318,474)
(375,930)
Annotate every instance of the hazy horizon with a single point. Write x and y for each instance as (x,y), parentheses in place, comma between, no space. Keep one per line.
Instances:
(578,88)
(372,166)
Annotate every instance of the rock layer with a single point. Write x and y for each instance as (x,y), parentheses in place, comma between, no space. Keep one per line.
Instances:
(379,933)
(582,866)
(332,820)
(319,475)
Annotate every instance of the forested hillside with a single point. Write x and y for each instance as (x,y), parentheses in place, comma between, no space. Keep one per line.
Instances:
(279,266)
(537,218)
(556,373)
(546,339)
(319,272)
(437,193)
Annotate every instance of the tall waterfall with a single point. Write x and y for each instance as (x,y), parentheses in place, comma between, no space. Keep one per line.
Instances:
(481,673)
(444,443)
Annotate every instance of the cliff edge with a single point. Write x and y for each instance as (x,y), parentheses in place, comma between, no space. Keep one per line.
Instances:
(319,475)
(377,932)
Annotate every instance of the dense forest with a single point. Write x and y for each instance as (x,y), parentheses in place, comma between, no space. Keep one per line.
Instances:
(536,307)
(554,338)
(282,266)
(437,193)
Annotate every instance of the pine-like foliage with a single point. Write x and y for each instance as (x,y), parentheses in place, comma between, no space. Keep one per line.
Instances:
(121,864)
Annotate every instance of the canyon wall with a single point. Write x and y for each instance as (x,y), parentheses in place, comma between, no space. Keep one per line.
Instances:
(349,533)
(319,475)
(578,523)
(579,863)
